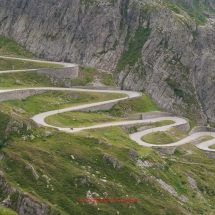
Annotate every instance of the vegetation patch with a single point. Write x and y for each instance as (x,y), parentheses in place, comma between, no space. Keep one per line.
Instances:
(9,64)
(88,75)
(164,137)
(79,119)
(136,105)
(4,120)
(175,87)
(51,157)
(192,124)
(19,112)
(7,211)
(162,123)
(26,79)
(212,147)
(10,47)
(194,11)
(156,124)
(206,138)
(54,100)
(131,56)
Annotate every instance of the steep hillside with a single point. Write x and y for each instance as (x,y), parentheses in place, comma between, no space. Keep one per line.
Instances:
(45,171)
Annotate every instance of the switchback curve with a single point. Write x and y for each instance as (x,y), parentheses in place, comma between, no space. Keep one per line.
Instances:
(39,118)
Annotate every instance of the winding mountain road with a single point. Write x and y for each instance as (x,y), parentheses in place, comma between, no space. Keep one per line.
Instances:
(39,118)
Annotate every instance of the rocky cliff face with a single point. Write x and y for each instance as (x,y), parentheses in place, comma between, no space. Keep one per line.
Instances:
(21,202)
(165,48)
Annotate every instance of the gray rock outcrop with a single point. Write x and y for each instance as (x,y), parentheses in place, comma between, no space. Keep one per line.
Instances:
(116,164)
(143,164)
(24,204)
(171,190)
(1,156)
(166,150)
(47,133)
(36,176)
(133,153)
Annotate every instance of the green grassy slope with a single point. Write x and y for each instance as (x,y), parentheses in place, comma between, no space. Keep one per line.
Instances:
(156,124)
(10,47)
(169,136)
(54,100)
(6,211)
(132,55)
(8,64)
(212,147)
(79,119)
(26,79)
(17,111)
(120,110)
(132,106)
(71,179)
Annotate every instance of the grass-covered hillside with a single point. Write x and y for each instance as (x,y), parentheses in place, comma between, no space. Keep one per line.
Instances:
(15,114)
(26,79)
(99,163)
(6,211)
(10,47)
(116,113)
(12,64)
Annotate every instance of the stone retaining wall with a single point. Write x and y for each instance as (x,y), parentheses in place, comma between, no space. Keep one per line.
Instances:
(196,141)
(61,73)
(127,126)
(201,129)
(135,117)
(155,114)
(210,154)
(99,107)
(98,88)
(20,94)
(149,115)
(183,127)
(166,150)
